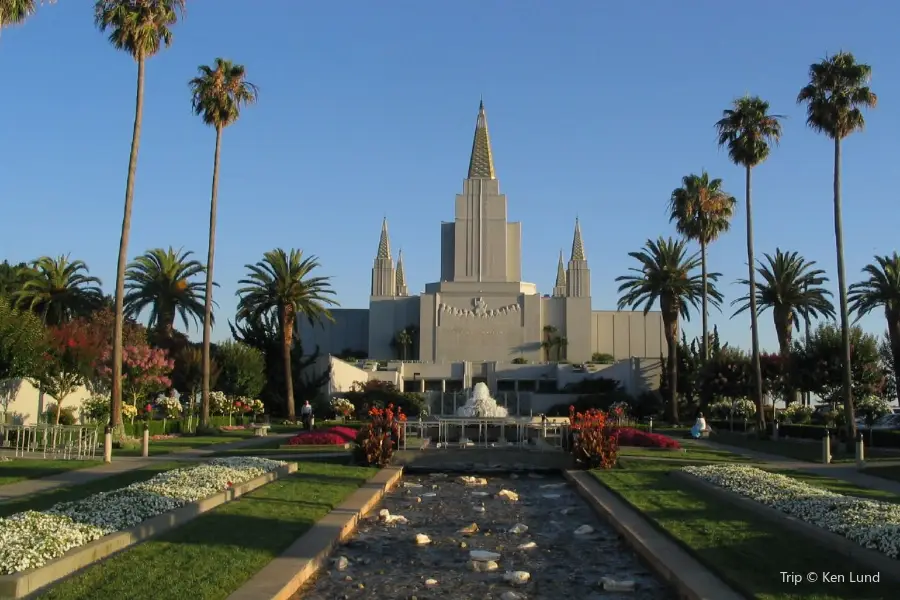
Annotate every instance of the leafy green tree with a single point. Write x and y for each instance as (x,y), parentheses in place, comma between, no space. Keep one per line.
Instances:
(163,281)
(889,365)
(881,289)
(281,286)
(59,290)
(12,278)
(243,369)
(702,210)
(217,95)
(667,275)
(23,341)
(837,92)
(748,131)
(140,29)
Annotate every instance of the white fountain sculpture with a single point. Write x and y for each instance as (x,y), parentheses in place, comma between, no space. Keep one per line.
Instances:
(480,404)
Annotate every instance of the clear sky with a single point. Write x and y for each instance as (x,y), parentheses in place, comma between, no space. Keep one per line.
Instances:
(596,109)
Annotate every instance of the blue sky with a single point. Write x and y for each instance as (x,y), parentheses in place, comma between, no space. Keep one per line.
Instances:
(596,109)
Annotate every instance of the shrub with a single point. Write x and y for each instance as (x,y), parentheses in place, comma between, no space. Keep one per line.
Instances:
(642,439)
(346,432)
(96,408)
(377,440)
(796,414)
(317,438)
(66,417)
(594,443)
(872,407)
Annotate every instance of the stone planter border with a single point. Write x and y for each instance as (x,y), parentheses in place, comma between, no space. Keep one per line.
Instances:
(668,560)
(872,559)
(24,583)
(281,578)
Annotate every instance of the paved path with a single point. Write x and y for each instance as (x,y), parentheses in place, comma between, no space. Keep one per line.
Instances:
(843,471)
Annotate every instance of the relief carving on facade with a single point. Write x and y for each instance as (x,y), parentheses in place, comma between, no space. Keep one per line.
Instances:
(479,310)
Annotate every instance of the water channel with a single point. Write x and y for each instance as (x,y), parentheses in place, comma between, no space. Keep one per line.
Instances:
(383,560)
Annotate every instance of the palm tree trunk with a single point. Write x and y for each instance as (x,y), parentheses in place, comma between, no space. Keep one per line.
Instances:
(287,335)
(842,291)
(705,347)
(671,332)
(894,337)
(115,412)
(754,321)
(207,307)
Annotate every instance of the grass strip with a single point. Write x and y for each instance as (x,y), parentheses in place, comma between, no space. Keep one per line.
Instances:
(688,452)
(748,551)
(891,473)
(47,499)
(213,555)
(182,443)
(257,451)
(808,451)
(20,469)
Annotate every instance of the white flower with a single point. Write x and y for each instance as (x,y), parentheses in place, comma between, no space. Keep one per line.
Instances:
(219,403)
(342,406)
(797,413)
(870,523)
(32,539)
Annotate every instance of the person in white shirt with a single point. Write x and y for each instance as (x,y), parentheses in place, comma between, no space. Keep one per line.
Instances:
(306,414)
(699,427)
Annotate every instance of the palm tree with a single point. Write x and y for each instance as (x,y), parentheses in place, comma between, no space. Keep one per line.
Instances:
(881,289)
(404,341)
(12,278)
(281,285)
(666,274)
(749,132)
(835,96)
(141,29)
(161,279)
(218,94)
(59,290)
(702,211)
(792,287)
(14,12)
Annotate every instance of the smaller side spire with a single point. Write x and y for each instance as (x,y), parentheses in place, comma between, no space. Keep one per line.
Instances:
(402,290)
(578,243)
(559,290)
(384,244)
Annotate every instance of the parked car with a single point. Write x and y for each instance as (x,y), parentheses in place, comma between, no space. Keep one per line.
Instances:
(889,421)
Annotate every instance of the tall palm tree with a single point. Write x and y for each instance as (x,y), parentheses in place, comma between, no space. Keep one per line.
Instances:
(218,94)
(59,290)
(748,131)
(792,287)
(666,274)
(701,211)
(14,12)
(141,29)
(837,92)
(281,285)
(162,280)
(881,289)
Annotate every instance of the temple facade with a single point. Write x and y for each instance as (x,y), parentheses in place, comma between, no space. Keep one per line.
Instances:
(480,310)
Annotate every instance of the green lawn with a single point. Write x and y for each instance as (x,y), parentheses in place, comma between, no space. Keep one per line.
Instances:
(746,550)
(274,449)
(690,451)
(20,469)
(211,556)
(47,499)
(187,442)
(799,450)
(892,473)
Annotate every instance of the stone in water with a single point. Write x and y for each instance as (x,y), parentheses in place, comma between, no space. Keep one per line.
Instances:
(551,496)
(611,585)
(469,529)
(509,595)
(527,546)
(584,530)
(480,494)
(422,539)
(483,555)
(469,480)
(553,486)
(429,495)
(518,528)
(508,494)
(480,404)
(408,484)
(437,475)
(341,563)
(431,582)
(517,577)
(479,508)
(483,566)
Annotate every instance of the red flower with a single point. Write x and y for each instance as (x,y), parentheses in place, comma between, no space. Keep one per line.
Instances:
(230,484)
(149,408)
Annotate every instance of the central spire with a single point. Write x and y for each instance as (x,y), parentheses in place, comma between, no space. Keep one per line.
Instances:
(384,243)
(481,163)
(578,243)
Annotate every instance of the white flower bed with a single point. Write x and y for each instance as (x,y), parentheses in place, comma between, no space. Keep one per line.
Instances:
(32,539)
(870,523)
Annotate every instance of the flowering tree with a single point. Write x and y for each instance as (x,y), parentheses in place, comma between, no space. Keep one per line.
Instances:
(381,435)
(145,370)
(595,439)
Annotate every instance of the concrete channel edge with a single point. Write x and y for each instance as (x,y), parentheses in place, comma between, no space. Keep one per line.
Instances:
(878,562)
(690,579)
(284,576)
(26,583)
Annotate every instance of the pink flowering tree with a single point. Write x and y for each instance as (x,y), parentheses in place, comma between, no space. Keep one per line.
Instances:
(145,370)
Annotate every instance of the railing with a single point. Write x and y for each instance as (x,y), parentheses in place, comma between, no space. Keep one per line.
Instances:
(444,404)
(515,432)
(78,442)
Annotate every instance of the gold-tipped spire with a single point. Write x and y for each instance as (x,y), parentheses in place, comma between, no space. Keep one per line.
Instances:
(401,277)
(578,243)
(384,244)
(481,163)
(561,272)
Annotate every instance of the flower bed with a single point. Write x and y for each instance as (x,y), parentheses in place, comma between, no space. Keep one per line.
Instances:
(32,539)
(869,523)
(644,439)
(324,437)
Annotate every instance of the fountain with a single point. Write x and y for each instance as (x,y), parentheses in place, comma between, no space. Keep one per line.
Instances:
(480,404)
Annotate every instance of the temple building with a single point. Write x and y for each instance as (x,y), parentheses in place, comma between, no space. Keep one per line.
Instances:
(480,311)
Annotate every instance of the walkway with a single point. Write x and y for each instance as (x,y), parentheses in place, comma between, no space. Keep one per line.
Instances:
(843,471)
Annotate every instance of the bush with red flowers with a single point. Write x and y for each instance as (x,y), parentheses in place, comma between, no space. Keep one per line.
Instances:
(594,440)
(318,438)
(346,432)
(381,435)
(635,437)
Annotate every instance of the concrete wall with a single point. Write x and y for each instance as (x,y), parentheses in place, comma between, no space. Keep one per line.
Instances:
(350,330)
(625,334)
(25,405)
(387,316)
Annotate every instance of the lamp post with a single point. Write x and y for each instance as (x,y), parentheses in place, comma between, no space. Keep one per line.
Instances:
(807,393)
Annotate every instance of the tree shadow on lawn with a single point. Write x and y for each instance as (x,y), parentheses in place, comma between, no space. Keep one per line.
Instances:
(51,472)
